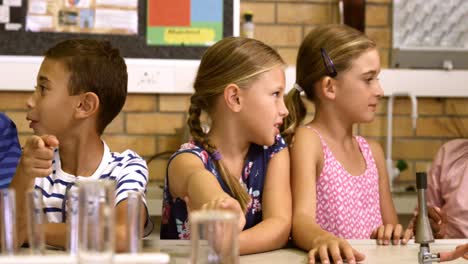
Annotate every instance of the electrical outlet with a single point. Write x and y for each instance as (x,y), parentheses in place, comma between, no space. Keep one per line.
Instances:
(161,76)
(148,80)
(151,79)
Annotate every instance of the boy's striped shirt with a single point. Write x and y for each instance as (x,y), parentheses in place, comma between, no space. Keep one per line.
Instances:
(127,169)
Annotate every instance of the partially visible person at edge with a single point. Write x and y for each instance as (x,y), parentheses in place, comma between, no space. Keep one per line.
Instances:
(10,150)
(446,198)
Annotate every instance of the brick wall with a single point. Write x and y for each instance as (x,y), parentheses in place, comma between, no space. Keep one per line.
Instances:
(151,124)
(148,124)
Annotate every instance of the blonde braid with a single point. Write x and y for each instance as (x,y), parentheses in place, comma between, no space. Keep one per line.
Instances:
(193,122)
(237,190)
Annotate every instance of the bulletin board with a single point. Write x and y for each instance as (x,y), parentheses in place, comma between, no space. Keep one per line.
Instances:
(135,41)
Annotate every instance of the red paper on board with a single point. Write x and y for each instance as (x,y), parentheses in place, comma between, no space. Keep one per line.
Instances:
(169,13)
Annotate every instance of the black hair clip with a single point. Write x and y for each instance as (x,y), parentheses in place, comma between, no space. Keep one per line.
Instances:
(331,70)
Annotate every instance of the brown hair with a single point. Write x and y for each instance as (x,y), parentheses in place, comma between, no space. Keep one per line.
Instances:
(343,44)
(233,60)
(94,66)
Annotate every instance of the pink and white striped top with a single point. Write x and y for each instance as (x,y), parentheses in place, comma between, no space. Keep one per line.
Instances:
(348,206)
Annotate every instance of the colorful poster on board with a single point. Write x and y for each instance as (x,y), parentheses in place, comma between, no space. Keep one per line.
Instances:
(118,17)
(184,22)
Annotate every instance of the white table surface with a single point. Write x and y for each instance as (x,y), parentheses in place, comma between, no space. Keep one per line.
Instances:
(179,254)
(179,251)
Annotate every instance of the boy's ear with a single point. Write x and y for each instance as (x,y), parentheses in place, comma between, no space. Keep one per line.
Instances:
(232,97)
(88,105)
(328,88)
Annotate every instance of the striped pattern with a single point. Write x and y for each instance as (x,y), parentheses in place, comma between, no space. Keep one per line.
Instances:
(127,168)
(10,150)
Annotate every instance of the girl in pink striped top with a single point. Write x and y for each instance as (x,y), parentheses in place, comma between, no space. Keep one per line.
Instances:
(339,182)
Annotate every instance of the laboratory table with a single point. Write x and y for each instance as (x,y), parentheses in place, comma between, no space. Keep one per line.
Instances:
(179,250)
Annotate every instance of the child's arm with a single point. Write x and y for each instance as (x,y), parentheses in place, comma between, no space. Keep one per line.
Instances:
(390,230)
(133,177)
(273,231)
(189,179)
(437,217)
(434,194)
(121,227)
(306,154)
(460,251)
(56,233)
(36,161)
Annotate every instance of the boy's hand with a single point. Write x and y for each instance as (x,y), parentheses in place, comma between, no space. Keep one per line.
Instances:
(38,153)
(437,220)
(227,203)
(384,233)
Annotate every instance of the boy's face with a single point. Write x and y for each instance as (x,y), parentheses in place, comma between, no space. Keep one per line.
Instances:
(51,109)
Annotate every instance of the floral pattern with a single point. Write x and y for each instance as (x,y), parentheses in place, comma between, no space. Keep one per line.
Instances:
(174,224)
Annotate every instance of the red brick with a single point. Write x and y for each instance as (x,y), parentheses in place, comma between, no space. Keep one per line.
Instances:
(304,13)
(174,103)
(143,145)
(262,12)
(149,123)
(140,103)
(14,100)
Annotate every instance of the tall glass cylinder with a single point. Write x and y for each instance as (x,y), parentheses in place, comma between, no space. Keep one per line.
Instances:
(96,211)
(73,218)
(214,236)
(8,233)
(134,222)
(36,238)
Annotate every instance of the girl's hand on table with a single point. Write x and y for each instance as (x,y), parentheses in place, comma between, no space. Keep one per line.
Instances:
(331,248)
(384,233)
(227,203)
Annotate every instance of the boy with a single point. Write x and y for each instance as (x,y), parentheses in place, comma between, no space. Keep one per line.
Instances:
(81,87)
(10,150)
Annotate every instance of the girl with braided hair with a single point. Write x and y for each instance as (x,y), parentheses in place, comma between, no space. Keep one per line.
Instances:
(241,163)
